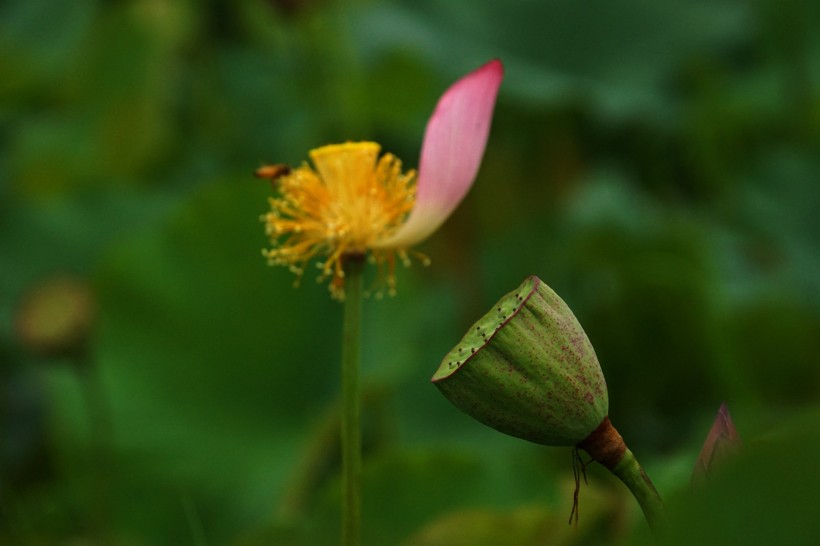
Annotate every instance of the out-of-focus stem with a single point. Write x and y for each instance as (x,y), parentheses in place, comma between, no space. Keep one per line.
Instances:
(98,414)
(351,403)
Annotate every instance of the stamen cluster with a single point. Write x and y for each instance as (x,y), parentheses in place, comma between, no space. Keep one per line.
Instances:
(350,201)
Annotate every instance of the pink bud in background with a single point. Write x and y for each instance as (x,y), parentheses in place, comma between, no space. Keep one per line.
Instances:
(721,442)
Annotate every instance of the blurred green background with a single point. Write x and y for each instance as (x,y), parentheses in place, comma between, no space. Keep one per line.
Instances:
(655,162)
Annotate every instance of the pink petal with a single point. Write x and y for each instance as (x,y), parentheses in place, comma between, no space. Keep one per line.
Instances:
(451,153)
(721,441)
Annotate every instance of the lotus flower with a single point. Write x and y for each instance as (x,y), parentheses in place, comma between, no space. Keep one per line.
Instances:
(352,202)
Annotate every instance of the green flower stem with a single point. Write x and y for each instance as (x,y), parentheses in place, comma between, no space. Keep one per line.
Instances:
(351,402)
(606,446)
(630,472)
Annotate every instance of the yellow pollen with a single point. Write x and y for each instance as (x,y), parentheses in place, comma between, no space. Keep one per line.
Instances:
(350,199)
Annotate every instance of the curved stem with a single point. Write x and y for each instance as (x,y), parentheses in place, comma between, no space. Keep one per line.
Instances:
(351,403)
(630,472)
(605,445)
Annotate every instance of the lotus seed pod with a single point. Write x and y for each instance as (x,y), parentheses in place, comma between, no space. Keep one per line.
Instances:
(57,316)
(527,369)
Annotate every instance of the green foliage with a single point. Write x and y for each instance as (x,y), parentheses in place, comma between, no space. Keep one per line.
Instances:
(763,496)
(654,162)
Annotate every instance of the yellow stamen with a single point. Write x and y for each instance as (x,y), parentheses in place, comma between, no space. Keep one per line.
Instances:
(350,201)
